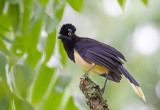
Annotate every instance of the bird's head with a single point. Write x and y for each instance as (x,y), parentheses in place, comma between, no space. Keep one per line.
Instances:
(67,32)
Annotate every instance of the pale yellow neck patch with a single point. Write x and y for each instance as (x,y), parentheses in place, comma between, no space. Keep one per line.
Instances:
(83,64)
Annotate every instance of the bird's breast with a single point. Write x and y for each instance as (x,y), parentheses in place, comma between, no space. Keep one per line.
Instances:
(83,64)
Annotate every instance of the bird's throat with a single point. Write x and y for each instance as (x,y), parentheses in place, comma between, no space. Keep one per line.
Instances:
(68,46)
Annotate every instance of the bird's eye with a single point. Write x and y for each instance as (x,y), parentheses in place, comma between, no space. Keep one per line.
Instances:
(69,33)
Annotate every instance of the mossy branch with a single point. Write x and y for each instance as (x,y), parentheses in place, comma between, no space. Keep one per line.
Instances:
(93,94)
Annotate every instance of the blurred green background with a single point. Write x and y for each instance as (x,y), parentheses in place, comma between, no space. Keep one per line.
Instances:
(35,73)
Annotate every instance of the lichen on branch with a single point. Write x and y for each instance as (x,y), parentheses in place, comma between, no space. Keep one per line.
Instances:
(93,94)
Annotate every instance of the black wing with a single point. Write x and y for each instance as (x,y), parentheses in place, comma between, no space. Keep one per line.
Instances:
(101,59)
(101,54)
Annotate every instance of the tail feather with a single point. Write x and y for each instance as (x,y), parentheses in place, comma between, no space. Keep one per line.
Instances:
(133,82)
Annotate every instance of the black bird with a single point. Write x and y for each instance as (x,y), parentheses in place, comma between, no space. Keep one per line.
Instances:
(97,57)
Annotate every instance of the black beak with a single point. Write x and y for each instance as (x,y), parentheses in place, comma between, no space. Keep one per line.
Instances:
(60,37)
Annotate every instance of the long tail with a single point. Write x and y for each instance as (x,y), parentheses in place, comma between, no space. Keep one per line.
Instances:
(133,82)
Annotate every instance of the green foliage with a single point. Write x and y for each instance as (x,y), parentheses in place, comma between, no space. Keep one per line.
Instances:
(26,80)
(54,101)
(50,44)
(22,80)
(76,4)
(122,3)
(145,2)
(22,105)
(3,62)
(70,105)
(62,53)
(43,79)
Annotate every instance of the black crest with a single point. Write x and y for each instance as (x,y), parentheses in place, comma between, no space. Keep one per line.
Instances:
(65,27)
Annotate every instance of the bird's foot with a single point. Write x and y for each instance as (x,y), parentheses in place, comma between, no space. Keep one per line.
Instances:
(102,90)
(85,75)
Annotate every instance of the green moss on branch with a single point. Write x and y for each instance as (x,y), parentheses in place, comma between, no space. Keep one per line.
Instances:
(93,94)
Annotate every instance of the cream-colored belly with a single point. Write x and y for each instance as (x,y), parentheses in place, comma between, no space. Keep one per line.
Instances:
(83,64)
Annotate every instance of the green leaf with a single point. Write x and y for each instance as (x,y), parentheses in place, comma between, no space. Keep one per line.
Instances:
(122,3)
(3,62)
(14,14)
(80,102)
(50,44)
(145,2)
(22,105)
(44,2)
(2,2)
(18,46)
(5,93)
(76,4)
(2,45)
(37,13)
(5,22)
(26,16)
(4,102)
(27,43)
(42,82)
(58,8)
(22,78)
(50,24)
(70,105)
(59,14)
(48,105)
(6,39)
(63,54)
(33,57)
(62,83)
(31,42)
(4,28)
(54,101)
(14,1)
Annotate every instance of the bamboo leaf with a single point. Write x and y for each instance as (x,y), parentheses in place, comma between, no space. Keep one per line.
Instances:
(6,39)
(37,14)
(51,103)
(59,14)
(2,45)
(50,44)
(22,78)
(70,105)
(3,62)
(15,14)
(48,105)
(22,105)
(58,8)
(62,83)
(62,53)
(122,3)
(145,2)
(76,4)
(43,79)
(31,42)
(50,24)
(5,93)
(4,102)
(5,23)
(14,1)
(44,2)
(2,2)
(26,16)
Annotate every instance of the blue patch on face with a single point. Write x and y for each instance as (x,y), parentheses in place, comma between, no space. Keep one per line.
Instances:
(70,30)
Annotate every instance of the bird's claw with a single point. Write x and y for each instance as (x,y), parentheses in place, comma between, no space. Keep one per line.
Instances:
(102,90)
(85,75)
